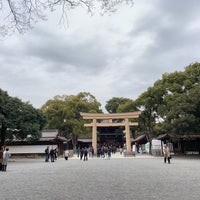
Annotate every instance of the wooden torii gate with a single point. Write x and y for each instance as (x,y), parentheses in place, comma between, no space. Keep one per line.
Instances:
(124,118)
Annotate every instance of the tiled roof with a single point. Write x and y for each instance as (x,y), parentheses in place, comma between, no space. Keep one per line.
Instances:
(50,135)
(191,136)
(84,140)
(164,136)
(141,137)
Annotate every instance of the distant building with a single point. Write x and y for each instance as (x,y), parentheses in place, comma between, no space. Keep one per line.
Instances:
(190,144)
(49,138)
(84,142)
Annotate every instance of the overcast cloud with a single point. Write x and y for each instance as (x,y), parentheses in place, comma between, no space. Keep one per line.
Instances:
(110,56)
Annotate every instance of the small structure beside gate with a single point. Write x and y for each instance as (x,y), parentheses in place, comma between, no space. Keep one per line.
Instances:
(24,148)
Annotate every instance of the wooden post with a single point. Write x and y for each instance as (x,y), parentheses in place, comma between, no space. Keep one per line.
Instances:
(94,136)
(128,138)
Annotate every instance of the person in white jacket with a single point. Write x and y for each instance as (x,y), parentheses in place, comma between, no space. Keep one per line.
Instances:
(66,154)
(6,156)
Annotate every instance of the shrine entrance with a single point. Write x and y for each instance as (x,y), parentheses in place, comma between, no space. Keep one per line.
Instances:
(111,136)
(100,120)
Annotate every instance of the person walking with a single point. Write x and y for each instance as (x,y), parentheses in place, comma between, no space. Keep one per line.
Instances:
(166,153)
(120,150)
(78,151)
(92,151)
(55,153)
(85,154)
(46,154)
(82,152)
(6,156)
(66,154)
(52,154)
(109,153)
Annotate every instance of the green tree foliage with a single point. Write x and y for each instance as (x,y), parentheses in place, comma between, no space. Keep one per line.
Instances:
(116,103)
(18,119)
(63,113)
(147,103)
(122,105)
(172,104)
(129,106)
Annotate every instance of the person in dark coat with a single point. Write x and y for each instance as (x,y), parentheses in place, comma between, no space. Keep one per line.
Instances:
(55,153)
(85,154)
(52,154)
(81,155)
(92,151)
(78,151)
(46,151)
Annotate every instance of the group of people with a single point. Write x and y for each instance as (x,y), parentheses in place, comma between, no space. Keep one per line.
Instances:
(104,151)
(83,153)
(50,154)
(4,157)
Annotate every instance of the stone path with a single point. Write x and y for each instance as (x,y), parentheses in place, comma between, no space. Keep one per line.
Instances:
(120,178)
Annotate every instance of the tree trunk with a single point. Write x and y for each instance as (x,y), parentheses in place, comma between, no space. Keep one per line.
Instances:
(74,141)
(2,135)
(150,142)
(2,139)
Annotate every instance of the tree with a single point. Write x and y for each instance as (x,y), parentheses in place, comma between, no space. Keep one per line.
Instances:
(172,104)
(129,106)
(18,119)
(147,102)
(21,15)
(114,104)
(63,113)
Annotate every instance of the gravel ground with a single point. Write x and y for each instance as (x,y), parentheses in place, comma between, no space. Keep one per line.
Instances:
(140,177)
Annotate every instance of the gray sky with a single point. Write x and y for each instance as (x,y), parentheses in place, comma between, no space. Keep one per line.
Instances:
(109,56)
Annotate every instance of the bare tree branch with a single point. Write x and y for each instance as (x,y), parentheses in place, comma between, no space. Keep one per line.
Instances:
(21,15)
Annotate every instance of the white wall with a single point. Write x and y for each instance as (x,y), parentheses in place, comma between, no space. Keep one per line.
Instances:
(29,148)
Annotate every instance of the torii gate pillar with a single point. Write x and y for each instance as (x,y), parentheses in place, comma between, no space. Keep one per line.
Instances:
(94,135)
(128,141)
